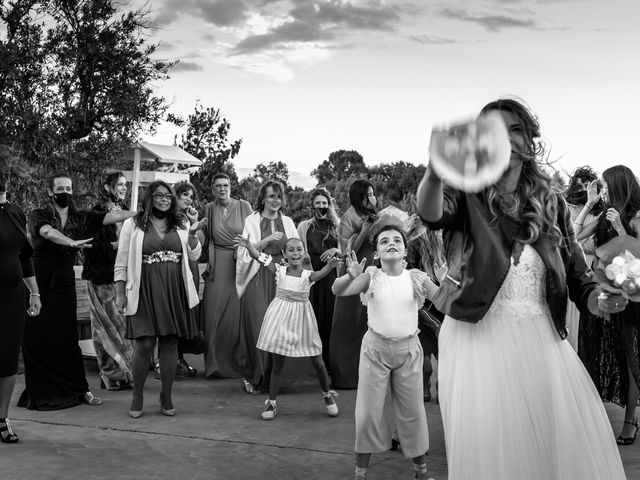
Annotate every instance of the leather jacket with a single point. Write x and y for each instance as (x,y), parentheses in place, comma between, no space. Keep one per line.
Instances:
(478,252)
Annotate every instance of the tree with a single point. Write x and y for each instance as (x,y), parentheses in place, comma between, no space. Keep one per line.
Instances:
(207,138)
(394,181)
(339,166)
(75,85)
(261,173)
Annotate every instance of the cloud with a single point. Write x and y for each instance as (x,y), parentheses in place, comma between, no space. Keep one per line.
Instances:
(492,23)
(224,13)
(432,40)
(308,21)
(295,31)
(182,66)
(165,46)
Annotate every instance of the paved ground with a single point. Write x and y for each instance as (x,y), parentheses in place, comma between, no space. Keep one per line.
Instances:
(216,434)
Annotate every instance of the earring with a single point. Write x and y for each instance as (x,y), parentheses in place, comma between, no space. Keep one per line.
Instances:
(375,256)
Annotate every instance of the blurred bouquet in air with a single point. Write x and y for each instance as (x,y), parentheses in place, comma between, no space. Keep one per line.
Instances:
(617,267)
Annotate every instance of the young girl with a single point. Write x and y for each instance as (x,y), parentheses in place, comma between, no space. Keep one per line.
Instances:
(390,352)
(289,328)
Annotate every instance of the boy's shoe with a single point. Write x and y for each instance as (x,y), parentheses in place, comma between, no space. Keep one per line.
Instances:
(269,412)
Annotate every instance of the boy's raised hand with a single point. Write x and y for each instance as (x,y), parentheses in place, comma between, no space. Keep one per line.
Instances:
(354,268)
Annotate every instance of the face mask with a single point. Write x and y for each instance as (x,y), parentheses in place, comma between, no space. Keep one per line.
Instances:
(159,213)
(581,197)
(322,211)
(62,199)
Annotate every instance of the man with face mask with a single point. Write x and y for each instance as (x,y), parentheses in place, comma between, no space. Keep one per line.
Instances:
(54,369)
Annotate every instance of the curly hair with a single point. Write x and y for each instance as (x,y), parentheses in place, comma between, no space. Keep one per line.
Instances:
(110,178)
(584,174)
(536,202)
(174,220)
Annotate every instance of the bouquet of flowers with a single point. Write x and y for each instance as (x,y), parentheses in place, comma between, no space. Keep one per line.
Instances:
(617,267)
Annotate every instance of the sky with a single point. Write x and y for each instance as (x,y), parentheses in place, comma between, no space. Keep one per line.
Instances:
(300,79)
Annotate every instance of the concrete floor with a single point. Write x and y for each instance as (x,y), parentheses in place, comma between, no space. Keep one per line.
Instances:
(216,434)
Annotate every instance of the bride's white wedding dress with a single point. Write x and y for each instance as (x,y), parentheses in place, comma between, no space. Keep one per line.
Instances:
(516,402)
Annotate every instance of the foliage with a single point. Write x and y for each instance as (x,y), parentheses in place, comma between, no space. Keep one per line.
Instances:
(207,138)
(75,87)
(340,165)
(261,173)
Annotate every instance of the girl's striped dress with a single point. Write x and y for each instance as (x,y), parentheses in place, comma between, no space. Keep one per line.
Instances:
(289,327)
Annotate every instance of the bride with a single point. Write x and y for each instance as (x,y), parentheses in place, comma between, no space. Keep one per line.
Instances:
(516,401)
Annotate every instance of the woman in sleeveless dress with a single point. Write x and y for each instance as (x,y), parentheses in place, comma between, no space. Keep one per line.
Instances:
(615,356)
(516,401)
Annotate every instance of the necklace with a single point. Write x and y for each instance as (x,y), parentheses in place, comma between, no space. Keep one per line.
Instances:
(225,208)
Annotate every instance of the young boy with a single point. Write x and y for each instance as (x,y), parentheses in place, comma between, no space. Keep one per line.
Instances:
(391,351)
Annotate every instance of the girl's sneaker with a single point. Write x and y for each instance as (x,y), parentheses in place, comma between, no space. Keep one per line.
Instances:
(269,410)
(330,403)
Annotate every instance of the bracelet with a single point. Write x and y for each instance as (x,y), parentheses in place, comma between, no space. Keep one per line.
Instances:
(34,294)
(265,259)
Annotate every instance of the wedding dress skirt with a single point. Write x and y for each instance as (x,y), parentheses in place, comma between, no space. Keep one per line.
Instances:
(516,401)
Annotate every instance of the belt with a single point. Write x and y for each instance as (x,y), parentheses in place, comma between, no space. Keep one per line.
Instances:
(164,256)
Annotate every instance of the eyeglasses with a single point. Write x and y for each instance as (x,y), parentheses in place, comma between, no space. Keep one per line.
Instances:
(160,196)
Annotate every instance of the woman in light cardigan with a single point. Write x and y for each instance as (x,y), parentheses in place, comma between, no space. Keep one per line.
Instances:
(268,229)
(155,288)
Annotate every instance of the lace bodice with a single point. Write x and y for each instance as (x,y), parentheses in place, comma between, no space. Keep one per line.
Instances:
(523,290)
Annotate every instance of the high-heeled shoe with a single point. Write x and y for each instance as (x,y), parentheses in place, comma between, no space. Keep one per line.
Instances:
(7,435)
(135,413)
(90,399)
(629,440)
(249,387)
(169,412)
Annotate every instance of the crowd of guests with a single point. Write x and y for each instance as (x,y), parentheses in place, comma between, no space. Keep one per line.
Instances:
(498,287)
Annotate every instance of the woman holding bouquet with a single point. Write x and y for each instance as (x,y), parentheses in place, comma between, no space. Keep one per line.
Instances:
(621,216)
(516,401)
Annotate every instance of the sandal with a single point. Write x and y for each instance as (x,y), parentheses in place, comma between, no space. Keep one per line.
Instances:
(90,399)
(269,412)
(249,387)
(185,370)
(7,435)
(629,440)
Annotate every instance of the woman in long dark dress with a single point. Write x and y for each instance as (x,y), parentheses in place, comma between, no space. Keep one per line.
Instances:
(319,235)
(16,273)
(113,351)
(152,266)
(621,360)
(53,364)
(350,315)
(269,229)
(220,304)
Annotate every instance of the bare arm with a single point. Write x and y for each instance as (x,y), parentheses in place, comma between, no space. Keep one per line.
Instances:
(579,228)
(355,281)
(320,274)
(49,233)
(430,196)
(362,236)
(117,217)
(254,252)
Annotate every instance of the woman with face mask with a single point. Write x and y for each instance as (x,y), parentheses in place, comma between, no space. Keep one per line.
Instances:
(54,368)
(349,322)
(155,288)
(319,235)
(113,351)
(578,199)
